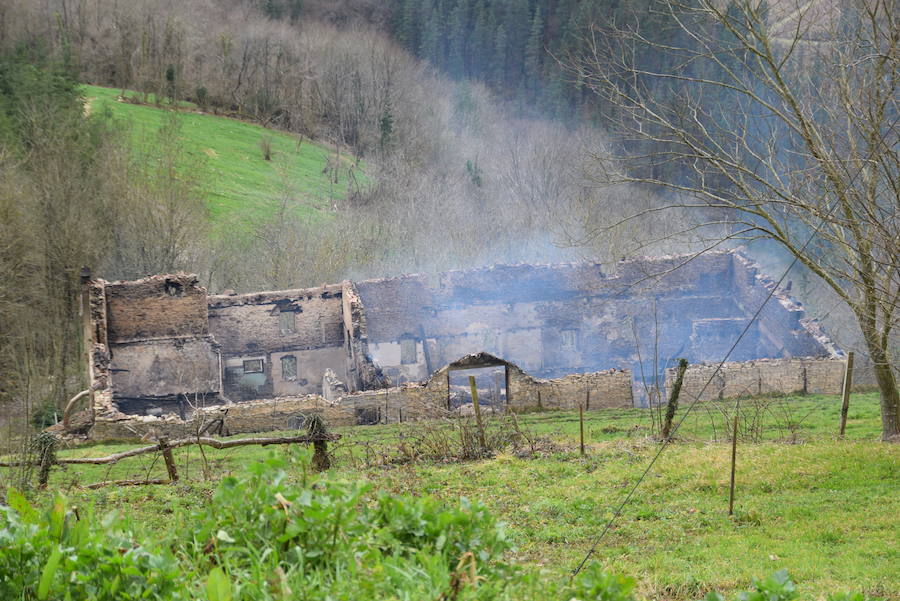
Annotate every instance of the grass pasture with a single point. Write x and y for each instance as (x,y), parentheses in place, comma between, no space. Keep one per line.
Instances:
(826,509)
(238,184)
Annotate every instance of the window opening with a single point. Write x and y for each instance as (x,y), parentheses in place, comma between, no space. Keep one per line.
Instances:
(408,353)
(174,288)
(286,322)
(253,366)
(289,368)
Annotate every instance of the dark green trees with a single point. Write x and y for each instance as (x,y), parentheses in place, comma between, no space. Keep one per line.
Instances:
(514,46)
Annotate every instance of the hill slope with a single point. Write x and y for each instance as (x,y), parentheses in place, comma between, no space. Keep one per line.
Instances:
(238,183)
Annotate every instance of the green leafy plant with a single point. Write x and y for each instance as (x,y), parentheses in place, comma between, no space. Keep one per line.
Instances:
(777,587)
(594,584)
(218,586)
(58,555)
(267,536)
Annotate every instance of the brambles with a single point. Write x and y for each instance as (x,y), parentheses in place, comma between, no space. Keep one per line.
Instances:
(448,441)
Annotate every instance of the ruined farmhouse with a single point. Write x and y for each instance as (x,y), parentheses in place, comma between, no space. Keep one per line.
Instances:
(166,357)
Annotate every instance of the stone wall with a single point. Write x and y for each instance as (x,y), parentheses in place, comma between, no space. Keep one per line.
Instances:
(289,338)
(411,402)
(597,390)
(97,347)
(151,340)
(554,320)
(362,373)
(160,306)
(783,330)
(428,400)
(240,418)
(760,377)
(574,328)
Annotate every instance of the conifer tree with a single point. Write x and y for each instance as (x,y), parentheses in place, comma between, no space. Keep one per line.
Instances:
(407,31)
(518,26)
(482,47)
(534,51)
(457,35)
(499,65)
(430,44)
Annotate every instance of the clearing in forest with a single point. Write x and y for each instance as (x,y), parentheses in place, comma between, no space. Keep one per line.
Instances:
(225,156)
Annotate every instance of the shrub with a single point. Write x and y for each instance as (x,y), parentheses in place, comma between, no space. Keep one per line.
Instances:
(265,146)
(202,96)
(595,584)
(322,536)
(58,554)
(44,415)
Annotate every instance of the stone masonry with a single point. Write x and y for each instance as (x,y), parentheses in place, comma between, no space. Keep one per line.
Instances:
(163,355)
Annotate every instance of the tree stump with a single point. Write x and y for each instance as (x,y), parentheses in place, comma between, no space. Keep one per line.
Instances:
(46,447)
(315,427)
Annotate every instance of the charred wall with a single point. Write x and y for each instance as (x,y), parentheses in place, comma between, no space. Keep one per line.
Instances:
(280,343)
(161,343)
(554,320)
(170,306)
(158,343)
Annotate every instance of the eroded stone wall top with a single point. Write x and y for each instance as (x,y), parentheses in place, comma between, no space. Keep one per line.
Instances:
(160,306)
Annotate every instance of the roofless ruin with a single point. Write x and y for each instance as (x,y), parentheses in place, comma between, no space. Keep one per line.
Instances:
(165,357)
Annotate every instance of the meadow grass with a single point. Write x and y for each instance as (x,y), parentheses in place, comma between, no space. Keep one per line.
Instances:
(224,154)
(827,509)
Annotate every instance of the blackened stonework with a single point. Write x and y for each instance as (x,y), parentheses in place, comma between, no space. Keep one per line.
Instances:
(383,349)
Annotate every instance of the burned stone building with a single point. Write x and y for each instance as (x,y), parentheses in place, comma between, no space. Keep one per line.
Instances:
(161,347)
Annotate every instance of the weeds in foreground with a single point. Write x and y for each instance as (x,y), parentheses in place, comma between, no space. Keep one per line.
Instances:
(446,441)
(264,536)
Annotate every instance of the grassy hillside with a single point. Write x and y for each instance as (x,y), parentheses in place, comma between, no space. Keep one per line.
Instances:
(237,182)
(824,508)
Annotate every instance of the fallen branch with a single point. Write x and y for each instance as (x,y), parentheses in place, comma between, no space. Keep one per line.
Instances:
(201,440)
(182,442)
(128,483)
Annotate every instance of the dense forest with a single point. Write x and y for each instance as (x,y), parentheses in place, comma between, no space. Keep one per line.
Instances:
(521,49)
(517,47)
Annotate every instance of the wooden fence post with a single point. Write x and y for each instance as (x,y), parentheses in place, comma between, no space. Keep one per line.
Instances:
(481,439)
(672,406)
(47,448)
(733,463)
(316,429)
(587,401)
(581,426)
(169,459)
(848,382)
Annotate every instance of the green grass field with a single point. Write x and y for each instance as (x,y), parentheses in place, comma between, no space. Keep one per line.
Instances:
(237,182)
(826,509)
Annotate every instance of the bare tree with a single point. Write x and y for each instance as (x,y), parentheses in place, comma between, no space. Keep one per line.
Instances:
(157,217)
(779,123)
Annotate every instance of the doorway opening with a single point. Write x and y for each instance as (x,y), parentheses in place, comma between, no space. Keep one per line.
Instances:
(490,381)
